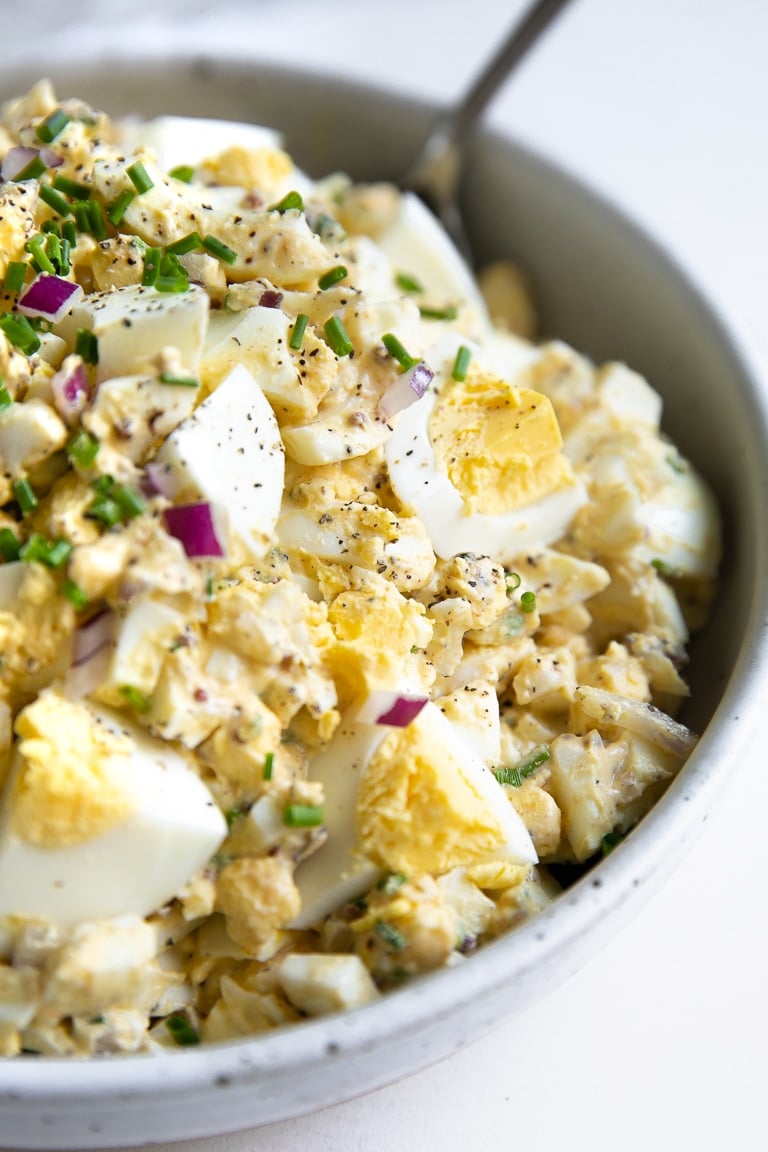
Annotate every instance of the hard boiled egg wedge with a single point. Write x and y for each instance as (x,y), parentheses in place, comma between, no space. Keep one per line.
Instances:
(411,800)
(480,462)
(100,820)
(229,454)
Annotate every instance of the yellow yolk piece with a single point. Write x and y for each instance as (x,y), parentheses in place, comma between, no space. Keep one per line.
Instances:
(500,446)
(67,790)
(248,167)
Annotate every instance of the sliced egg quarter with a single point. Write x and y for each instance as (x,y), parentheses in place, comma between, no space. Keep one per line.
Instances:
(548,492)
(230,454)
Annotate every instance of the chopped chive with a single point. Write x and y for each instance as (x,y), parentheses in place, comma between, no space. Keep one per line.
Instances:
(449,313)
(461,363)
(183,172)
(172,284)
(269,761)
(53,125)
(128,501)
(179,381)
(181,1031)
(9,545)
(135,697)
(219,249)
(105,510)
(30,171)
(72,188)
(39,257)
(52,198)
(50,225)
(512,581)
(524,768)
(82,219)
(152,260)
(296,339)
(389,935)
(5,398)
(390,884)
(290,200)
(326,226)
(139,177)
(14,276)
(102,484)
(52,553)
(186,244)
(69,232)
(528,602)
(509,776)
(96,222)
(232,815)
(398,352)
(302,815)
(20,333)
(336,335)
(116,209)
(87,346)
(610,841)
(65,256)
(74,593)
(331,277)
(665,569)
(83,449)
(408,283)
(53,250)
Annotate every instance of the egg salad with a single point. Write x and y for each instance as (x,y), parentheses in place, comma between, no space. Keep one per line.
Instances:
(338,616)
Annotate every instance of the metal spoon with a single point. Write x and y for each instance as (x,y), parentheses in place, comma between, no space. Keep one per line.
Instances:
(437,171)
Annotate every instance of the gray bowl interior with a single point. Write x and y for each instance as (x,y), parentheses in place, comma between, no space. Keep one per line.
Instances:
(607,289)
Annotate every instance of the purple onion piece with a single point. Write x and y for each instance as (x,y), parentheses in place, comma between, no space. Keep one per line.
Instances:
(159,479)
(406,389)
(51,297)
(70,389)
(50,159)
(194,526)
(392,709)
(421,376)
(270,299)
(16,160)
(92,637)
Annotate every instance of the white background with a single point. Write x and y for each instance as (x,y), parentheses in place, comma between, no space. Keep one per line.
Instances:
(663,104)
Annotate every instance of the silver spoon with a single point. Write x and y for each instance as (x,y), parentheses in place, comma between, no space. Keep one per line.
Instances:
(437,171)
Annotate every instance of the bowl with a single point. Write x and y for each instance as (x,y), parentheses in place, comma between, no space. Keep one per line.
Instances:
(607,288)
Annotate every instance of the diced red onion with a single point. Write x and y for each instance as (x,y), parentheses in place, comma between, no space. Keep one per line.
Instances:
(50,159)
(409,387)
(51,297)
(159,479)
(16,160)
(270,299)
(90,638)
(193,525)
(393,709)
(70,389)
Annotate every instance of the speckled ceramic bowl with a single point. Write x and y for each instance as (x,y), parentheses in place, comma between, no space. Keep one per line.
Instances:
(606,288)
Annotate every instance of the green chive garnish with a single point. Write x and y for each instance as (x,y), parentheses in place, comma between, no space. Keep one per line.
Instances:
(69,232)
(102,484)
(74,593)
(398,352)
(461,363)
(5,399)
(135,697)
(218,249)
(184,172)
(336,335)
(296,339)
(180,381)
(54,200)
(51,553)
(152,260)
(609,842)
(97,225)
(9,545)
(20,333)
(331,277)
(390,884)
(128,501)
(181,1031)
(72,188)
(186,244)
(14,276)
(83,449)
(53,125)
(524,768)
(512,581)
(665,569)
(139,177)
(408,283)
(105,510)
(528,602)
(389,935)
(290,200)
(302,815)
(35,246)
(87,346)
(117,208)
(30,171)
(269,761)
(449,313)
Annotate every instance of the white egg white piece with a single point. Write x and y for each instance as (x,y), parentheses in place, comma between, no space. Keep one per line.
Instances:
(423,487)
(335,873)
(188,140)
(11,577)
(171,832)
(229,453)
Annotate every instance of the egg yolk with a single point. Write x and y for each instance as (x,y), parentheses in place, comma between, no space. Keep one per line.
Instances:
(500,446)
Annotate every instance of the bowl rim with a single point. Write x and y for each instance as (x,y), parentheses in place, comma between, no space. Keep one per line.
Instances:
(633,870)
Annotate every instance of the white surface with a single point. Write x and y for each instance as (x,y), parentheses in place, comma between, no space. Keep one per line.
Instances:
(661,103)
